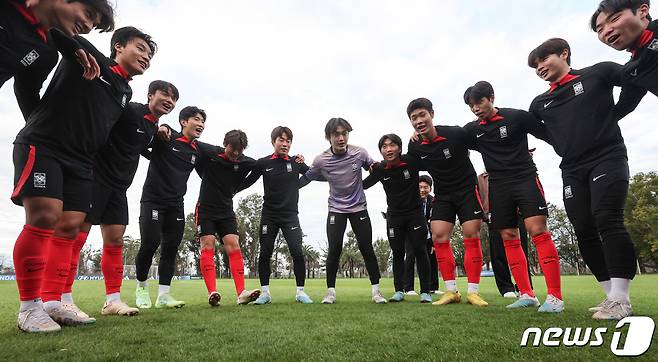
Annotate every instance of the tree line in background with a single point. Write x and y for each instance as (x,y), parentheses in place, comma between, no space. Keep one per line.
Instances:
(641,220)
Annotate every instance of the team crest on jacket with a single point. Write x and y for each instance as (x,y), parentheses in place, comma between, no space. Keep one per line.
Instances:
(193,160)
(503,132)
(289,167)
(406,174)
(30,58)
(355,166)
(446,152)
(236,168)
(653,46)
(578,88)
(123,101)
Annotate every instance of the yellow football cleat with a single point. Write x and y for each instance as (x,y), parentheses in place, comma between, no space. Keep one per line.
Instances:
(476,300)
(449,297)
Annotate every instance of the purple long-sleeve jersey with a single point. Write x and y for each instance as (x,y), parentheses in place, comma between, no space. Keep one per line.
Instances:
(343,172)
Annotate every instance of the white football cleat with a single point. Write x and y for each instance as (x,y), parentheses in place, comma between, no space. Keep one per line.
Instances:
(36,320)
(118,307)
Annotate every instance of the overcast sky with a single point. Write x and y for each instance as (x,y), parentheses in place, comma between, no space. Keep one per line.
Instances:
(254,65)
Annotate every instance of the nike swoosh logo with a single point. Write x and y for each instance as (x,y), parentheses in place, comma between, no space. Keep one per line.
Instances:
(363,218)
(548,104)
(417,227)
(179,219)
(598,177)
(386,178)
(269,169)
(294,228)
(102,78)
(139,131)
(424,157)
(542,208)
(477,212)
(634,73)
(175,149)
(480,135)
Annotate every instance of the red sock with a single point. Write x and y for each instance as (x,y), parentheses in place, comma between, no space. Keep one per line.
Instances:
(550,263)
(30,260)
(473,259)
(80,241)
(446,259)
(236,264)
(112,268)
(208,269)
(58,266)
(518,264)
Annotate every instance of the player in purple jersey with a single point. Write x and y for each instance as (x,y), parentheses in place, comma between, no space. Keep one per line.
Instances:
(341,166)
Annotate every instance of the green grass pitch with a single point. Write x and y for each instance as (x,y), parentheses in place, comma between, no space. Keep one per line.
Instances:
(352,329)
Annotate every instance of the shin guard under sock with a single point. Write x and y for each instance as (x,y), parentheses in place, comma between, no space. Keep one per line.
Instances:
(29,261)
(208,269)
(112,268)
(518,265)
(550,263)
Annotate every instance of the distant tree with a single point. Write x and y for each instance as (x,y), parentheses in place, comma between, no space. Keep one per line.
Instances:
(312,259)
(248,214)
(565,239)
(383,253)
(351,260)
(457,242)
(641,218)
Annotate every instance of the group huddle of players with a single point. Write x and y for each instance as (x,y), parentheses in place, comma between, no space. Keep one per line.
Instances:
(81,144)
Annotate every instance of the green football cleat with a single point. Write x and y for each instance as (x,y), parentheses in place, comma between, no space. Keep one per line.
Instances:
(551,305)
(263,299)
(397,297)
(524,301)
(425,298)
(303,299)
(167,301)
(142,298)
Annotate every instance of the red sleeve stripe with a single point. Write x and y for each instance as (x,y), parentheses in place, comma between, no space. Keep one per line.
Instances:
(27,170)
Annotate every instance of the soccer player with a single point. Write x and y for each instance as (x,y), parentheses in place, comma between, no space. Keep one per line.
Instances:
(405,221)
(53,160)
(162,214)
(281,175)
(425,188)
(627,25)
(27,51)
(501,136)
(443,152)
(341,166)
(581,118)
(114,169)
(224,169)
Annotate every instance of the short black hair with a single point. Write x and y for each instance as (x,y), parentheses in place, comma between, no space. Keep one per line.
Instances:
(278,131)
(419,103)
(161,85)
(236,138)
(333,125)
(614,6)
(481,89)
(103,10)
(123,35)
(391,136)
(551,46)
(426,179)
(189,112)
